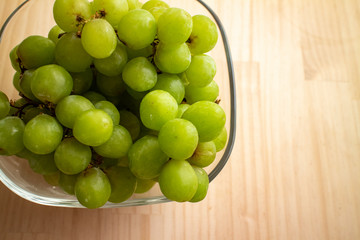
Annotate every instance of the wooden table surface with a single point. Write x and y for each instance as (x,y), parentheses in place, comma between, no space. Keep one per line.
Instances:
(295,169)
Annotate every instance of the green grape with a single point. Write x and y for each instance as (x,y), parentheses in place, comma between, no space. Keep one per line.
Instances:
(117,146)
(67,182)
(82,81)
(172,58)
(156,108)
(108,162)
(25,84)
(94,97)
(69,15)
(131,123)
(139,74)
(110,86)
(92,188)
(36,51)
(51,83)
(15,61)
(154,3)
(174,26)
(11,135)
(42,134)
(114,64)
(123,183)
(157,12)
(207,93)
(41,164)
(143,52)
(4,105)
(181,109)
(93,127)
(72,157)
(178,181)
(70,54)
(52,179)
(204,35)
(113,11)
(70,107)
(178,138)
(208,117)
(146,158)
(183,78)
(16,81)
(133,4)
(99,38)
(172,84)
(55,33)
(110,109)
(204,154)
(220,141)
(201,71)
(203,185)
(144,185)
(31,112)
(137,29)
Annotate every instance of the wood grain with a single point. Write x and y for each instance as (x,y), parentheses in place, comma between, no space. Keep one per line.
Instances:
(295,169)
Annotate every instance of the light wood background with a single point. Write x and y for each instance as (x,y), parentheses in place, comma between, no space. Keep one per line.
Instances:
(295,169)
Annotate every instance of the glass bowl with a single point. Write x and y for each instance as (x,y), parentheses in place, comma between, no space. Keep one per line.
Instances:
(15,172)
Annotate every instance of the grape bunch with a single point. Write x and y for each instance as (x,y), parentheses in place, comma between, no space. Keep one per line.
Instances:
(119,96)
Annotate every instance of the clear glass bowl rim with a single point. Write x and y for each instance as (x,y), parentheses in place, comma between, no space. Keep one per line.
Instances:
(154,200)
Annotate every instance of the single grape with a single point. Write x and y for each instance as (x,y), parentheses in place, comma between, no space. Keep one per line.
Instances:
(154,3)
(181,109)
(70,107)
(82,81)
(11,134)
(51,83)
(25,84)
(204,154)
(41,164)
(208,117)
(110,109)
(72,157)
(156,108)
(114,64)
(203,185)
(139,74)
(178,138)
(36,51)
(144,185)
(52,179)
(67,182)
(93,127)
(137,29)
(207,93)
(55,33)
(15,61)
(16,81)
(220,141)
(178,181)
(113,11)
(204,35)
(99,38)
(110,86)
(70,15)
(70,54)
(172,84)
(92,188)
(174,26)
(94,97)
(131,123)
(4,105)
(172,58)
(123,183)
(143,52)
(117,146)
(42,134)
(201,71)
(146,158)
